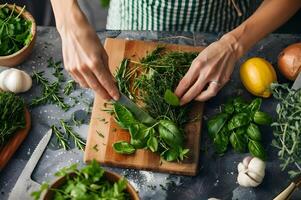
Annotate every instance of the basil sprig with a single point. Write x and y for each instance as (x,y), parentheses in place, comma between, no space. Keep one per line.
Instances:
(237,125)
(163,137)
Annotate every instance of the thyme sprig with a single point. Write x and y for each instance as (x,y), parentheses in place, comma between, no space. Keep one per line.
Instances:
(287,128)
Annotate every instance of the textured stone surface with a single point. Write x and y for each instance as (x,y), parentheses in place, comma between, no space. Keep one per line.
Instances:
(217,176)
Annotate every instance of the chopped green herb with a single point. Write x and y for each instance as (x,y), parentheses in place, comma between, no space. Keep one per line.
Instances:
(15,31)
(69,87)
(87,183)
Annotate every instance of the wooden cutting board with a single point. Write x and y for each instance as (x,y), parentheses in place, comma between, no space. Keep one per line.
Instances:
(103,130)
(13,144)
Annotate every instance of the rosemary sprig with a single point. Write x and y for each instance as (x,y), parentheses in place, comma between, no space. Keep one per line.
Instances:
(57,66)
(50,93)
(61,139)
(78,141)
(69,87)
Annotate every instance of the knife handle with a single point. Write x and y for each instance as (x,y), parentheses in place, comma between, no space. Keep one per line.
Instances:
(287,193)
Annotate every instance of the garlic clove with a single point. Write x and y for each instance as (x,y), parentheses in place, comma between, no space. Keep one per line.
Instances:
(245,181)
(27,82)
(257,165)
(3,76)
(247,160)
(241,168)
(255,176)
(14,81)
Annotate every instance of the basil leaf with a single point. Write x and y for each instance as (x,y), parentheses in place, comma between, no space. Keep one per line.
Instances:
(262,118)
(238,142)
(254,105)
(229,107)
(239,105)
(123,116)
(170,155)
(123,147)
(221,141)
(139,134)
(171,98)
(256,149)
(216,123)
(152,143)
(238,120)
(254,132)
(170,133)
(183,153)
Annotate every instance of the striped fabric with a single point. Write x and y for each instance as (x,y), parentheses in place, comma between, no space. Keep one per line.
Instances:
(178,15)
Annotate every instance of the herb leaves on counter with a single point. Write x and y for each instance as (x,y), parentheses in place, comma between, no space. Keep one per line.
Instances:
(12,117)
(287,127)
(237,124)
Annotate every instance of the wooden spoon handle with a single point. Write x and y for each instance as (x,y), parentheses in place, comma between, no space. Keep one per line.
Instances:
(287,193)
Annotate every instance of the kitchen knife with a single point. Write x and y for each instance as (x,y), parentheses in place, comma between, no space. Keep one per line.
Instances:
(140,114)
(25,185)
(297,83)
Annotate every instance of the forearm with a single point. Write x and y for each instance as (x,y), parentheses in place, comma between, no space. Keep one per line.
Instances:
(268,17)
(67,14)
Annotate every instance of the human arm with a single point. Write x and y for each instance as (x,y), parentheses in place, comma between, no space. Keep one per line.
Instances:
(212,69)
(83,54)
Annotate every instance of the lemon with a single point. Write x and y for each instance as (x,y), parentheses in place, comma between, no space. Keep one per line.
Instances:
(256,75)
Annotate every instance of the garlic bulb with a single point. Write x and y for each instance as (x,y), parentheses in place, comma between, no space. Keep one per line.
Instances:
(250,172)
(14,80)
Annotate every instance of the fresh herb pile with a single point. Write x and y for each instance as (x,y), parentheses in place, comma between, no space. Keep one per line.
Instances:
(15,31)
(237,124)
(287,127)
(86,183)
(150,83)
(12,116)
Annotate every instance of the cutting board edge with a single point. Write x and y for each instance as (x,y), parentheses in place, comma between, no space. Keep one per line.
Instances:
(18,139)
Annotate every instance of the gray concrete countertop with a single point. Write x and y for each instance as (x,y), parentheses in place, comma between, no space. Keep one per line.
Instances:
(217,175)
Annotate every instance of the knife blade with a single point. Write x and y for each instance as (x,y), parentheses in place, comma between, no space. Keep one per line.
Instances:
(138,112)
(25,185)
(297,83)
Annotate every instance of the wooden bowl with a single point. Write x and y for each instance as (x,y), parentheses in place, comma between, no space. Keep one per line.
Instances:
(110,176)
(19,56)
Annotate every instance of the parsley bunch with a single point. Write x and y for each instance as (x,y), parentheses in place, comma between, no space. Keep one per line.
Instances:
(15,31)
(86,183)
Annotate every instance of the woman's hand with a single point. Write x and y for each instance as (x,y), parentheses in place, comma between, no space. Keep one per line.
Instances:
(84,56)
(209,71)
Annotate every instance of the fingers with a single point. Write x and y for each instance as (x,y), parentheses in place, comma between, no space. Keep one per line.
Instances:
(193,91)
(189,79)
(78,78)
(210,92)
(94,84)
(107,80)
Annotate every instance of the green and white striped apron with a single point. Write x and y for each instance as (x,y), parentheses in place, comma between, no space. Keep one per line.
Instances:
(179,15)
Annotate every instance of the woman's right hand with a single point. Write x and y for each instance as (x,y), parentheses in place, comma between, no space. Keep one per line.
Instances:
(84,56)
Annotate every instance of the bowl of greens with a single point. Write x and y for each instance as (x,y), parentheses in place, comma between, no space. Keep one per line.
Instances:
(89,182)
(17,34)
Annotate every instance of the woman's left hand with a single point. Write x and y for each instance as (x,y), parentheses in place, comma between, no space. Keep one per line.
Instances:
(210,70)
